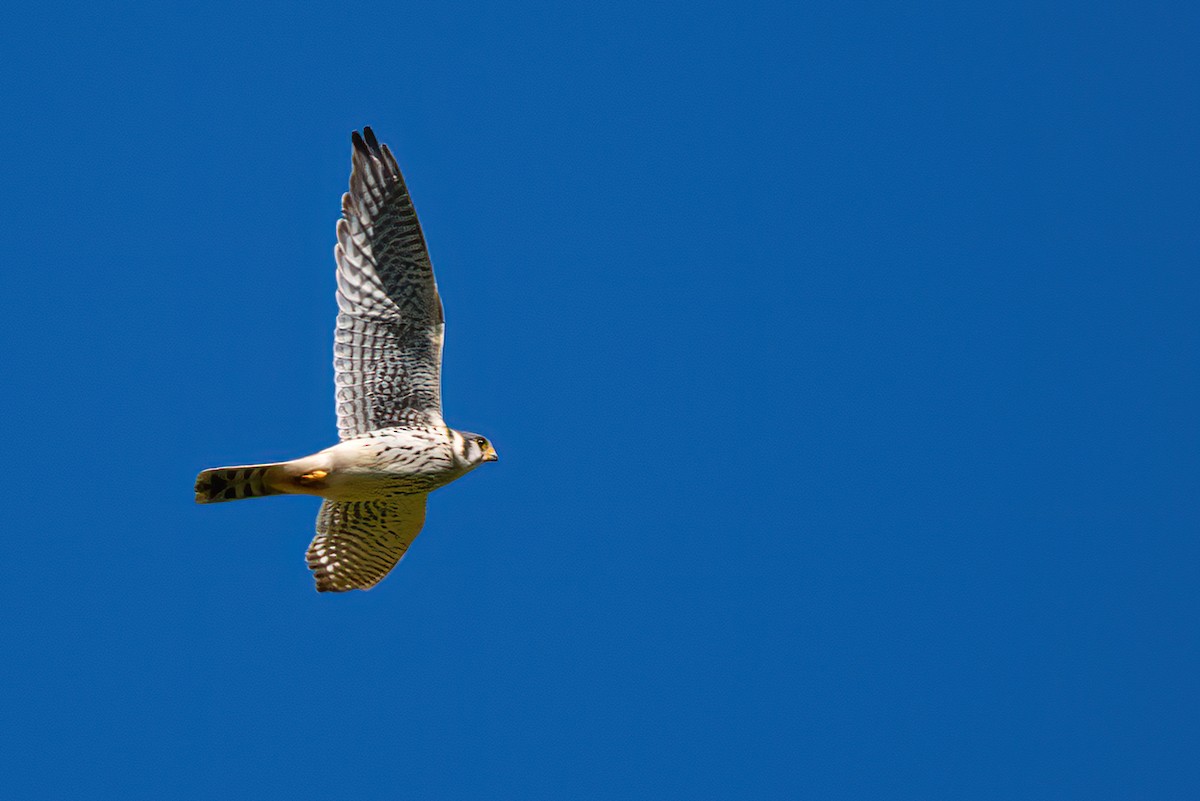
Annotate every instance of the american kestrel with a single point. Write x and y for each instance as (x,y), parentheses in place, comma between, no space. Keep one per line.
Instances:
(395,448)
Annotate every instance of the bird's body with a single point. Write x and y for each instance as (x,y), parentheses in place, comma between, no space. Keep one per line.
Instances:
(394,461)
(395,448)
(375,466)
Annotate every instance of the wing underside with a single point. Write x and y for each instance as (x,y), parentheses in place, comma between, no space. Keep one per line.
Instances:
(359,542)
(388,340)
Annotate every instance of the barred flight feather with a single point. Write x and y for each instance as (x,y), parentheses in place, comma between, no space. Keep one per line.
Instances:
(358,543)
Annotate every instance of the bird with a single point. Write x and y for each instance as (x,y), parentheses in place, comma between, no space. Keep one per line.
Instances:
(394,447)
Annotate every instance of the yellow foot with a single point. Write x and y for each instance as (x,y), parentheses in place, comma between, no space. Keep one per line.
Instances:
(309,479)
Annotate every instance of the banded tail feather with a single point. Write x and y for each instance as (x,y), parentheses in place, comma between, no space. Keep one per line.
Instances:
(222,484)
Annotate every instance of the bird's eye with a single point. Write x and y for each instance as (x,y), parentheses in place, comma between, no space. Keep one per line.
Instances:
(482,442)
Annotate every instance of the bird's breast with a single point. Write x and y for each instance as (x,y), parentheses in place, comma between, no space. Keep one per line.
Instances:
(399,462)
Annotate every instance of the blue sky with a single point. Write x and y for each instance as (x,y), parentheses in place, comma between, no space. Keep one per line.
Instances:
(841,358)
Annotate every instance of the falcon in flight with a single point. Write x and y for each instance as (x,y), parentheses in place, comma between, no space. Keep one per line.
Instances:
(395,449)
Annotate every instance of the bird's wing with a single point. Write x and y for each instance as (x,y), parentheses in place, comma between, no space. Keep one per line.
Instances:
(359,542)
(388,343)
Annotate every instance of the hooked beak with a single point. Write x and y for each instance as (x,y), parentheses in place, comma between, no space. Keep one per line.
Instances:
(490,454)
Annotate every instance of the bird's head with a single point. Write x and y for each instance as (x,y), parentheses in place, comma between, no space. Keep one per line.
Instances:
(472,450)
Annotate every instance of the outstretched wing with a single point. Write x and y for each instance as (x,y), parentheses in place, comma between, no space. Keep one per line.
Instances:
(359,542)
(388,343)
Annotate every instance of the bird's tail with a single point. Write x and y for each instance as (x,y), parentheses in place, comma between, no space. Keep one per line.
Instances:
(234,483)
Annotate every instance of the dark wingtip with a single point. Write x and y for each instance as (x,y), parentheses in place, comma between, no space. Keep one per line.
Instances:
(366,143)
(372,142)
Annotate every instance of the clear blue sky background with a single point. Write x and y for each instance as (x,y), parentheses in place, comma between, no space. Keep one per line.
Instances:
(841,357)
